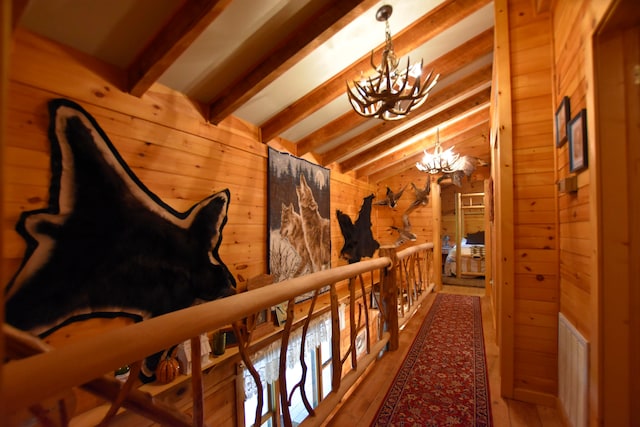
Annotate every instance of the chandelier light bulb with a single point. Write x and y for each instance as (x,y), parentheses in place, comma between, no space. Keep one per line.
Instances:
(440,161)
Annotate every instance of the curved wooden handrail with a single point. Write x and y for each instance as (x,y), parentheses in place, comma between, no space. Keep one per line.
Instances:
(82,361)
(414,249)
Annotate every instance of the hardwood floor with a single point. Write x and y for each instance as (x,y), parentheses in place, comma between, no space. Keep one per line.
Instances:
(360,407)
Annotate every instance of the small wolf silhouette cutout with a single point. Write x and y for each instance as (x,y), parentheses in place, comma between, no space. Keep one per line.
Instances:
(358,238)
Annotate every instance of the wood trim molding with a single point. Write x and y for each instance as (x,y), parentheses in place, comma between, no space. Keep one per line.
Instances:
(504,200)
(5,48)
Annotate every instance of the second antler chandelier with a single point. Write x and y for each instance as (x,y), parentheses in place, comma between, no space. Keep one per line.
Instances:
(392,93)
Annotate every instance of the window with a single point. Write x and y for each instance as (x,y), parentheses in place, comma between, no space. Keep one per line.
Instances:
(317,385)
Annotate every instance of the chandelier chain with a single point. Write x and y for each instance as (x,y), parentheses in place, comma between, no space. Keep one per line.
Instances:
(392,93)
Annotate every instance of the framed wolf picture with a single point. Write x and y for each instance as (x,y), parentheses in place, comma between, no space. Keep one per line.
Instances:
(299,212)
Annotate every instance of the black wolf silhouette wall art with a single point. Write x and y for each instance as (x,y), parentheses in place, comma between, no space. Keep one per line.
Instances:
(106,245)
(358,238)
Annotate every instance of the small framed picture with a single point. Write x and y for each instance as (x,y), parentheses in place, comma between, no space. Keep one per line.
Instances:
(578,142)
(563,114)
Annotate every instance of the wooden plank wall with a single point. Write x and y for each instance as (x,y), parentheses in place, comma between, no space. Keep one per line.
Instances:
(578,286)
(421,219)
(535,298)
(583,301)
(575,231)
(614,112)
(163,138)
(502,175)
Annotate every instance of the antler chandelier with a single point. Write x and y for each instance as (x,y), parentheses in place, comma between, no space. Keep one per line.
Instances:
(392,93)
(440,161)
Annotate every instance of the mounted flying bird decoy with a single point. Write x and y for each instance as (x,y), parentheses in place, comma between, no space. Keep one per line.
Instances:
(422,196)
(392,198)
(405,233)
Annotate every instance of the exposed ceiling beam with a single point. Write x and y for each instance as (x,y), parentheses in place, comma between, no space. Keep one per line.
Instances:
(174,38)
(479,134)
(458,109)
(308,36)
(433,23)
(472,82)
(467,53)
(447,133)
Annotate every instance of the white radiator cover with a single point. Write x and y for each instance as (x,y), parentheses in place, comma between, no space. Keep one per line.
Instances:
(573,373)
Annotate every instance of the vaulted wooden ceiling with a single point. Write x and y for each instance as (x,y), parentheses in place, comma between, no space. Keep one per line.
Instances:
(283,65)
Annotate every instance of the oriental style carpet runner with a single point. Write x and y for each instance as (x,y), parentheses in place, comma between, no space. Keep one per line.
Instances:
(443,381)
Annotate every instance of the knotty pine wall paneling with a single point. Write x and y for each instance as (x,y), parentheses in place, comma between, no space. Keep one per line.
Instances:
(421,219)
(162,136)
(576,233)
(502,175)
(528,311)
(574,214)
(592,299)
(534,204)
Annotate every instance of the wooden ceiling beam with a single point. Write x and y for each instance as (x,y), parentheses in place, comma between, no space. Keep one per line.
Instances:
(476,135)
(174,38)
(447,133)
(465,54)
(472,82)
(302,41)
(433,23)
(381,148)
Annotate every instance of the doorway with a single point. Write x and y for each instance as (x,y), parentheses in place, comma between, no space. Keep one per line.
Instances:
(463,222)
(616,54)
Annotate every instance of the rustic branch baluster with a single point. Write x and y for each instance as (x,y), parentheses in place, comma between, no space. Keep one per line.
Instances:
(421,281)
(336,364)
(366,313)
(243,344)
(303,378)
(400,283)
(389,294)
(197,384)
(353,328)
(124,391)
(286,333)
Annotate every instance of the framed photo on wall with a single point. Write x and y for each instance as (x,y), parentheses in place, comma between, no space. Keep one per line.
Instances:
(578,142)
(563,114)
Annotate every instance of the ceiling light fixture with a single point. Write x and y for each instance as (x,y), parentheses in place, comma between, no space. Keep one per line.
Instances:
(392,93)
(440,161)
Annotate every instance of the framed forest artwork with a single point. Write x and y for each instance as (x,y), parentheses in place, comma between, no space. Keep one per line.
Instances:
(578,142)
(298,216)
(563,114)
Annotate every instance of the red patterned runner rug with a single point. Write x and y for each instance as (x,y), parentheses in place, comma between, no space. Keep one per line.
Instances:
(443,381)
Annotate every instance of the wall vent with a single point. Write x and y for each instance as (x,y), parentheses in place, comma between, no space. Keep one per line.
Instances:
(573,373)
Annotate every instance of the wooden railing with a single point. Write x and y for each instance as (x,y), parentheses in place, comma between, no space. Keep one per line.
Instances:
(415,274)
(403,277)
